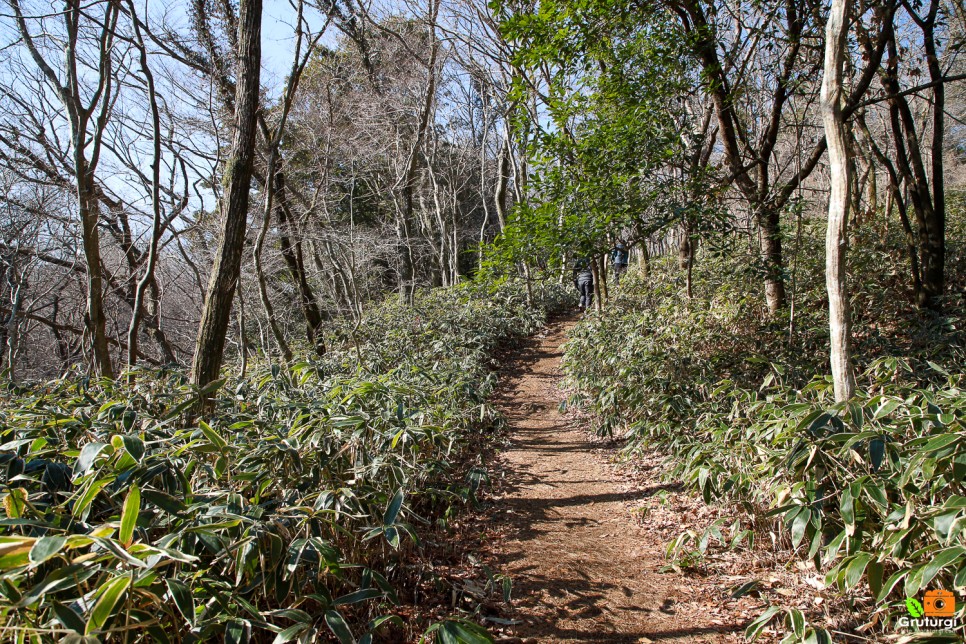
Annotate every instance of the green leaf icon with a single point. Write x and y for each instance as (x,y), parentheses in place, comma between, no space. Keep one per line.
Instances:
(915,608)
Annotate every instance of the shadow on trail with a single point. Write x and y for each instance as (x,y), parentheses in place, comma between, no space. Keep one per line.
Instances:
(582,569)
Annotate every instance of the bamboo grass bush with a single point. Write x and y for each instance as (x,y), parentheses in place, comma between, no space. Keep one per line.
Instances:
(873,491)
(287,514)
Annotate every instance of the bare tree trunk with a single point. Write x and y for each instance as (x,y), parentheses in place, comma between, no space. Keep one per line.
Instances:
(502,168)
(137,308)
(836,238)
(263,295)
(294,259)
(686,255)
(928,208)
(95,112)
(602,272)
(242,337)
(595,271)
(771,251)
(210,345)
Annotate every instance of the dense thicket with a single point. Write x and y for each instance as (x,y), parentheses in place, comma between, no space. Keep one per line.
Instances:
(293,508)
(871,490)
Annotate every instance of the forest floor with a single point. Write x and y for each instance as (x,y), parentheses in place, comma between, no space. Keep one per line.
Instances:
(584,540)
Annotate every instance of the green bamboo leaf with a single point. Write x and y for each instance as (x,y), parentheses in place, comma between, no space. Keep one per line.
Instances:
(134,446)
(291,633)
(758,625)
(392,511)
(15,503)
(182,598)
(941,442)
(797,620)
(875,572)
(453,631)
(88,455)
(357,596)
(166,502)
(129,515)
(336,624)
(940,561)
(68,618)
(876,453)
(888,406)
(212,435)
(15,551)
(45,548)
(856,568)
(81,506)
(799,524)
(109,596)
(238,631)
(818,636)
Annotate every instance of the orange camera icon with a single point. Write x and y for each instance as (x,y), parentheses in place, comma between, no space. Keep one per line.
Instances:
(939,603)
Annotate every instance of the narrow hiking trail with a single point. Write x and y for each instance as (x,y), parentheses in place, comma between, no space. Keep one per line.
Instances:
(582,567)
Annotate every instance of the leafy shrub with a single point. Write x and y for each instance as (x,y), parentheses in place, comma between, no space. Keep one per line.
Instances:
(873,491)
(289,510)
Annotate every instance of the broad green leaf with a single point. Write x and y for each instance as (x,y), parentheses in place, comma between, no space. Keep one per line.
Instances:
(129,516)
(15,551)
(182,598)
(46,547)
(88,455)
(939,561)
(336,624)
(392,511)
(108,597)
(212,435)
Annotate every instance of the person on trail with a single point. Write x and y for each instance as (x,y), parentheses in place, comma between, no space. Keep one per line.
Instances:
(584,282)
(618,258)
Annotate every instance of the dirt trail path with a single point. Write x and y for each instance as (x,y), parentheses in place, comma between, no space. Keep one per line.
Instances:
(582,568)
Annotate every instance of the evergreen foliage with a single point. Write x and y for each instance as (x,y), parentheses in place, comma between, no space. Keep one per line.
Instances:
(292,508)
(873,490)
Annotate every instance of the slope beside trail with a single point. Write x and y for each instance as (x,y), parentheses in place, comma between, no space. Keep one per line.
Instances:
(583,570)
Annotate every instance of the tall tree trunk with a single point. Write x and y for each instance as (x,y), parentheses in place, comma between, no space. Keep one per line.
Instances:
(771,251)
(94,318)
(137,308)
(836,238)
(295,261)
(84,112)
(928,207)
(210,345)
(934,255)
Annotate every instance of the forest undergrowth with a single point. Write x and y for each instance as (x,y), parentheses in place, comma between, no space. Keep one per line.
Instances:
(290,512)
(872,493)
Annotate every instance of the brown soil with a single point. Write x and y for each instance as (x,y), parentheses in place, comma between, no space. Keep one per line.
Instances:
(565,527)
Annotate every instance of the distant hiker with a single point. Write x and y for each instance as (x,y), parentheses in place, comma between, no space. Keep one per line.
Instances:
(618,257)
(584,282)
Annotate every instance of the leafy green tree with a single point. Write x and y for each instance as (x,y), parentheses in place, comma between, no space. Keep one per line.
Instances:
(598,84)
